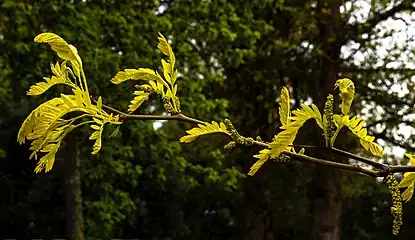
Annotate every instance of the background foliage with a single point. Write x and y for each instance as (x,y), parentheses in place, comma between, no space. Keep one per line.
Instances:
(235,57)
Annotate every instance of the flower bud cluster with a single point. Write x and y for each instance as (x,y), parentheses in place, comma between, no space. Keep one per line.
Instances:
(396,208)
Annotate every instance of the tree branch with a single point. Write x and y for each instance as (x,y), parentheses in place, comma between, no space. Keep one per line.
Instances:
(176,117)
(384,168)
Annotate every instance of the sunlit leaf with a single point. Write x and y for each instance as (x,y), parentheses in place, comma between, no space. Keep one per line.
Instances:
(61,47)
(284,110)
(204,129)
(140,97)
(138,74)
(287,136)
(166,49)
(42,87)
(355,125)
(347,91)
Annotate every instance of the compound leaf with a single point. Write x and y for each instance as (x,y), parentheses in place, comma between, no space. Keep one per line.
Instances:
(287,136)
(97,136)
(204,129)
(166,49)
(408,180)
(355,125)
(140,97)
(284,110)
(61,47)
(41,87)
(347,90)
(138,74)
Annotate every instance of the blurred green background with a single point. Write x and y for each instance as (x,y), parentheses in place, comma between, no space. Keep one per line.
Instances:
(233,57)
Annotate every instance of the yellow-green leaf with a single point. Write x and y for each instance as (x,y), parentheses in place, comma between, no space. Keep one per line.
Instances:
(96,127)
(94,135)
(175,90)
(174,77)
(408,179)
(263,156)
(140,97)
(355,125)
(287,136)
(138,74)
(38,120)
(347,91)
(86,99)
(203,129)
(98,121)
(99,103)
(47,161)
(284,110)
(408,193)
(411,158)
(60,46)
(166,49)
(42,87)
(307,113)
(59,70)
(97,135)
(78,96)
(67,100)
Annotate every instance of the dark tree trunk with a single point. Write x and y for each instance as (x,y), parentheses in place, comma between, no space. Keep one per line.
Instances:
(326,204)
(325,189)
(73,194)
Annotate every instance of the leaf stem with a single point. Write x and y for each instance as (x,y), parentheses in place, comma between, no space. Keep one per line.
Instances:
(178,117)
(83,123)
(84,80)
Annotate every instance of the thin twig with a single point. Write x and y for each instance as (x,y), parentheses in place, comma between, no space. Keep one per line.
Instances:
(303,146)
(345,166)
(177,117)
(359,158)
(113,109)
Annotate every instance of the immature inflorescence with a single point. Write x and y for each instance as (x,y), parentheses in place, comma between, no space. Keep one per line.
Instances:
(177,102)
(145,88)
(230,146)
(396,208)
(328,113)
(235,135)
(167,105)
(283,158)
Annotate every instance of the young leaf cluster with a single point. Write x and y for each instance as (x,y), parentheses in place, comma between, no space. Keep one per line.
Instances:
(48,124)
(165,87)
